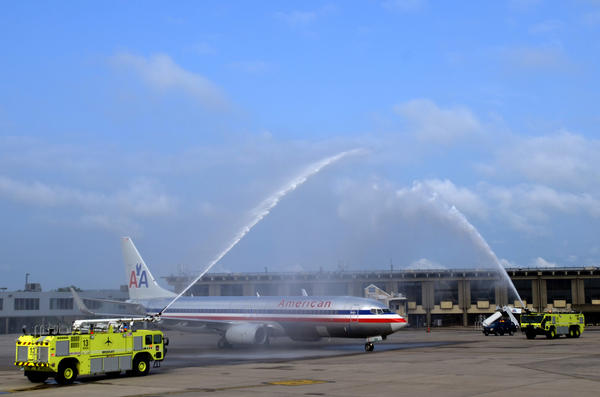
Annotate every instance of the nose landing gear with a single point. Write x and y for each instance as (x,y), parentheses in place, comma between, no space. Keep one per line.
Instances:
(369,342)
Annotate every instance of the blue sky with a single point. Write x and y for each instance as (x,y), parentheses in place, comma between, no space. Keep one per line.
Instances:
(172,122)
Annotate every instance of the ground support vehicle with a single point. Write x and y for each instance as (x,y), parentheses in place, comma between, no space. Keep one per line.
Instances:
(106,346)
(500,327)
(552,325)
(501,322)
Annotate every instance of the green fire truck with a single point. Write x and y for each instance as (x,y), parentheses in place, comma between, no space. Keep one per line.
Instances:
(552,325)
(104,346)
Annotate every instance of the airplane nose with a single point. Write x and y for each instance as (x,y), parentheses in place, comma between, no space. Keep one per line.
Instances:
(398,324)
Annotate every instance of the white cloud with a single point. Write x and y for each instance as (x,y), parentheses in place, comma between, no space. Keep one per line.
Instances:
(547,26)
(524,5)
(404,5)
(424,264)
(561,160)
(541,262)
(507,264)
(416,218)
(111,223)
(162,73)
(592,18)
(464,199)
(535,58)
(140,198)
(297,18)
(531,208)
(303,19)
(433,124)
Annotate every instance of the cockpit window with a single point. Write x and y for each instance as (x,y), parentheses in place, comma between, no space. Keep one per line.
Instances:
(380,311)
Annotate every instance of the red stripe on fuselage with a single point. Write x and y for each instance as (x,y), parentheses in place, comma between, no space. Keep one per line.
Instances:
(291,319)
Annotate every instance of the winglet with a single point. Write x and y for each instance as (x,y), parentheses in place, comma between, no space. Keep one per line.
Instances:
(79,302)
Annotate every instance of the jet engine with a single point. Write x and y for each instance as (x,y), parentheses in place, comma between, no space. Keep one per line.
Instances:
(247,334)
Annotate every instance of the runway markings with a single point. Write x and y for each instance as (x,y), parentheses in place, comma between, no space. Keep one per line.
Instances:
(297,382)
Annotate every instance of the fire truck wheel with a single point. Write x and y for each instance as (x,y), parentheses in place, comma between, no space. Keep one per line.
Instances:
(36,377)
(577,332)
(551,334)
(141,366)
(67,373)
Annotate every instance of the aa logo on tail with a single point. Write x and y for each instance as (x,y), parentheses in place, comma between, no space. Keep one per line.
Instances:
(138,277)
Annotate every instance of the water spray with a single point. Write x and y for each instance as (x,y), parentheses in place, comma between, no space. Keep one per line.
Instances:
(265,208)
(473,232)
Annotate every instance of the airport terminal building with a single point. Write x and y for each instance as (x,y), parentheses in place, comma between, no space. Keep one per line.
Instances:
(427,297)
(32,307)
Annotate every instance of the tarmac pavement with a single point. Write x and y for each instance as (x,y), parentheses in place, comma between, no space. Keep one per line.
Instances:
(445,362)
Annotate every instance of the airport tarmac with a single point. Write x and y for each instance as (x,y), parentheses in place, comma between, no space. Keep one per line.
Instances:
(447,362)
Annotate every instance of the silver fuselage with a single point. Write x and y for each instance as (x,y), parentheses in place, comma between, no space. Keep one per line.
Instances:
(299,317)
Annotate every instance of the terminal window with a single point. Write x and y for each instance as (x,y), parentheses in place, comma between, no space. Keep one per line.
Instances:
(559,289)
(91,304)
(231,290)
(446,290)
(525,289)
(336,289)
(27,304)
(198,290)
(1,303)
(412,291)
(61,303)
(591,286)
(483,290)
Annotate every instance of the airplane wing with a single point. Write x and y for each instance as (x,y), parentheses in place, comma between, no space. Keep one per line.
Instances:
(132,308)
(212,325)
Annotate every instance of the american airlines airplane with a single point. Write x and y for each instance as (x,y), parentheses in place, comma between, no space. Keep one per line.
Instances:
(242,320)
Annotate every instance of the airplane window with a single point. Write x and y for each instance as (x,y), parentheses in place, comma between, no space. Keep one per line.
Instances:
(373,311)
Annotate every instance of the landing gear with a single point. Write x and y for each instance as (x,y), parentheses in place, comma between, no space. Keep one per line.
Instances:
(369,346)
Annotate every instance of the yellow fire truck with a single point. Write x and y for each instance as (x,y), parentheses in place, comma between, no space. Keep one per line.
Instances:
(105,346)
(552,324)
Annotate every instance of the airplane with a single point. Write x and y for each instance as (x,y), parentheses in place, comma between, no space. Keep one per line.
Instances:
(253,320)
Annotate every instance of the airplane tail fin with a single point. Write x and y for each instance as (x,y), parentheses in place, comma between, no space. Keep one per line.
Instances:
(141,283)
